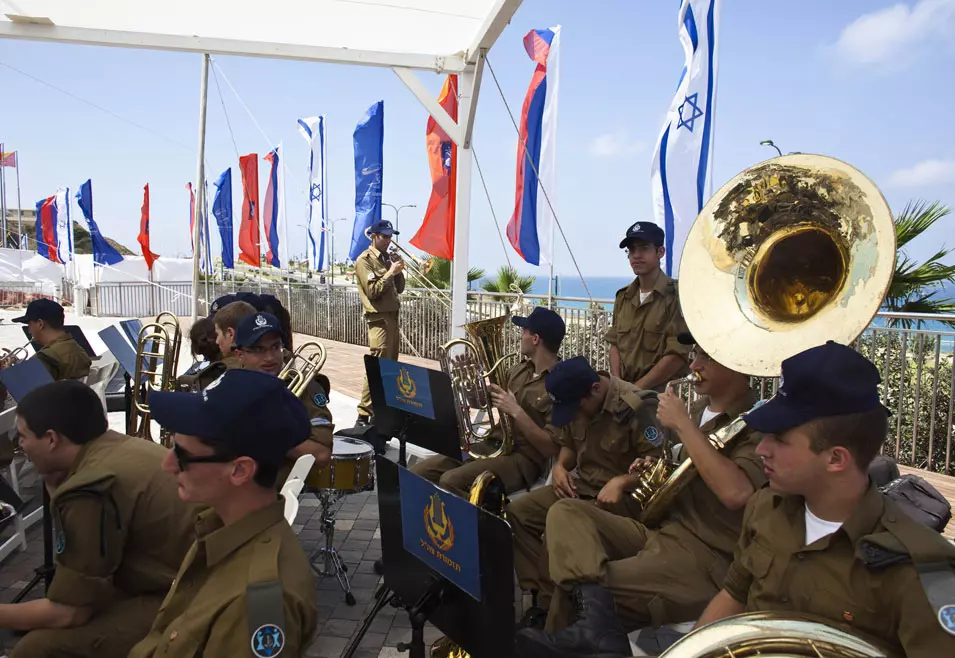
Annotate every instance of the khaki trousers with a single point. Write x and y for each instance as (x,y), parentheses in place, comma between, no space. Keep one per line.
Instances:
(457,478)
(528,516)
(111,633)
(656,576)
(383,341)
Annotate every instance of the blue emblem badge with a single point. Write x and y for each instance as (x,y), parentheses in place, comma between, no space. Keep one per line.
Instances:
(60,541)
(653,435)
(268,641)
(320,399)
(946,617)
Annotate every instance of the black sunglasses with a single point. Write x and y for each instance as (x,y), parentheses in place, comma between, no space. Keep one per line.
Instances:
(184,458)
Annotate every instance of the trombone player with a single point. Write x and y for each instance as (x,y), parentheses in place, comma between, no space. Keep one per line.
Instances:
(259,345)
(61,355)
(526,401)
(380,277)
(666,574)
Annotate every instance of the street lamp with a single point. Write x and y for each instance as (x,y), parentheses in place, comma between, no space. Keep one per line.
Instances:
(769,142)
(398,210)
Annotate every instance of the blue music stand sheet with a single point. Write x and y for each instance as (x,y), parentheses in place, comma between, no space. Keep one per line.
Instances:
(407,387)
(132,328)
(120,348)
(24,377)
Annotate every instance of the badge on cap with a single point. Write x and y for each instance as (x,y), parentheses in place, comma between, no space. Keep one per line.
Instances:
(320,399)
(634,227)
(654,436)
(267,641)
(260,321)
(946,617)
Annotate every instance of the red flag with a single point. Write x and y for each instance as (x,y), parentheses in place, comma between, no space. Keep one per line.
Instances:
(436,235)
(249,222)
(8,159)
(143,238)
(192,216)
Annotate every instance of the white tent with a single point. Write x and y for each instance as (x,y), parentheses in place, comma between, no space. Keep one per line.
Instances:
(443,36)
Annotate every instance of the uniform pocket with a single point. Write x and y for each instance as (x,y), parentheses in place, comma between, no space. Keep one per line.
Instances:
(843,609)
(757,560)
(653,340)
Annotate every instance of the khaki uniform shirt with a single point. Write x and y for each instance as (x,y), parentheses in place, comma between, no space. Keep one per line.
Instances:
(697,508)
(240,587)
(645,333)
(203,375)
(119,527)
(65,359)
(529,390)
(378,290)
(606,445)
(861,576)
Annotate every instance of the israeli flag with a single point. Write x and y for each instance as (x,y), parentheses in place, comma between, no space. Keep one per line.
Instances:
(682,169)
(313,130)
(64,225)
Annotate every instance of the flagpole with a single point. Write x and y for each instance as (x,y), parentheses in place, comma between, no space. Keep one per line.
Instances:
(3,199)
(200,176)
(19,223)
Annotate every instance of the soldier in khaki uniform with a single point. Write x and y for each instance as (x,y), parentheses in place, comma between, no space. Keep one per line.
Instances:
(61,355)
(258,342)
(380,280)
(226,320)
(667,574)
(245,588)
(822,539)
(607,424)
(202,340)
(646,316)
(119,528)
(527,403)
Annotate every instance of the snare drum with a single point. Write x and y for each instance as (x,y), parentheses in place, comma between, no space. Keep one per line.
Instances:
(351,470)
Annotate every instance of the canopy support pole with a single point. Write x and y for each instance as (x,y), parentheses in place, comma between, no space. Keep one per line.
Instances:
(199,187)
(462,220)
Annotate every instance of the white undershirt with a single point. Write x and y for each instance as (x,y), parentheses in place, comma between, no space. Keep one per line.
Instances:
(708,415)
(817,528)
(644,295)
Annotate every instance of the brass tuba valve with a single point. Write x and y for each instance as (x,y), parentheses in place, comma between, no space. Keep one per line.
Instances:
(650,477)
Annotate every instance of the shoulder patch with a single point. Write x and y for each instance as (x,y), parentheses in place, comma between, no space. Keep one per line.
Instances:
(60,541)
(946,617)
(268,640)
(653,435)
(320,399)
(318,422)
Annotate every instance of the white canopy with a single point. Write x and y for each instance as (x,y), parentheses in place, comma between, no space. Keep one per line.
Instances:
(438,35)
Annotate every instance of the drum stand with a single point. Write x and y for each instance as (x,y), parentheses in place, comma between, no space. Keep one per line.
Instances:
(333,565)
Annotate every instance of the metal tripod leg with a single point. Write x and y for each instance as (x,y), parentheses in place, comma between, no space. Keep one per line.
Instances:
(332,564)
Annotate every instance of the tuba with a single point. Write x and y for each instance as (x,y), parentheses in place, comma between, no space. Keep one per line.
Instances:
(485,431)
(789,254)
(300,370)
(157,361)
(771,634)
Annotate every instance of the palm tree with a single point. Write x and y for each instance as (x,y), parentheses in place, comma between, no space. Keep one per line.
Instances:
(915,286)
(507,277)
(440,274)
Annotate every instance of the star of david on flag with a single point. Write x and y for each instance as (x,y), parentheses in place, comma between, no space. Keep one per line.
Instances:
(689,107)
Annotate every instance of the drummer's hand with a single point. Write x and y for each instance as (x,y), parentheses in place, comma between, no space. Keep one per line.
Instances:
(504,400)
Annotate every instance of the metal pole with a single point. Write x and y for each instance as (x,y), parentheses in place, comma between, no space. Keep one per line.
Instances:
(200,176)
(3,200)
(19,222)
(459,272)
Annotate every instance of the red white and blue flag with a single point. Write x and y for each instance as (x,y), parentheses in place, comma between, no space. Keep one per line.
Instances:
(531,227)
(249,222)
(46,229)
(273,209)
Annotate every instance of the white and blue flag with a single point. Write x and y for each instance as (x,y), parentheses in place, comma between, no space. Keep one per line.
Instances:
(682,169)
(313,130)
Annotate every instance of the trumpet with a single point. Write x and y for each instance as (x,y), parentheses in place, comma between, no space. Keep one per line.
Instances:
(13,357)
(298,377)
(418,267)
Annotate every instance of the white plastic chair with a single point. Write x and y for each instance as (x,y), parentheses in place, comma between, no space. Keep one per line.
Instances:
(294,484)
(100,377)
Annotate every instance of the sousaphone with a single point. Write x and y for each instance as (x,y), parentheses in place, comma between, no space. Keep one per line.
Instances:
(789,254)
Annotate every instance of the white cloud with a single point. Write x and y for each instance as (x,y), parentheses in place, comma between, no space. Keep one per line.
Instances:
(616,144)
(893,35)
(927,172)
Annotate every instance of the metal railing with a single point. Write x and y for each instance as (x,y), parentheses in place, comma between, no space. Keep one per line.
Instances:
(915,363)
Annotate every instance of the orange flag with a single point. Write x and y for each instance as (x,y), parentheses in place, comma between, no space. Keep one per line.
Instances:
(143,238)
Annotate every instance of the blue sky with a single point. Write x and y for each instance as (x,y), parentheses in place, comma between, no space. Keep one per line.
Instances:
(866,81)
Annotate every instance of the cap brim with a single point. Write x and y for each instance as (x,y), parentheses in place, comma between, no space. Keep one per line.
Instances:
(643,237)
(22,319)
(776,415)
(562,415)
(519,321)
(257,334)
(182,413)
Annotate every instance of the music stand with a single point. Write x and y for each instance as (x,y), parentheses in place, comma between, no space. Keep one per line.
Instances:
(413,404)
(20,380)
(475,609)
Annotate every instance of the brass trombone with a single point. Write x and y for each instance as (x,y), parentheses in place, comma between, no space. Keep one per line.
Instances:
(10,357)
(157,359)
(299,376)
(418,267)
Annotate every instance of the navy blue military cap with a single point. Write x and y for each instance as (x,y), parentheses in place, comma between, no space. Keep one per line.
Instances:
(646,231)
(220,302)
(42,309)
(383,227)
(543,322)
(251,412)
(252,327)
(829,380)
(568,383)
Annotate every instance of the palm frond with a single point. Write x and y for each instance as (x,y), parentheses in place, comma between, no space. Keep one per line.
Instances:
(916,218)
